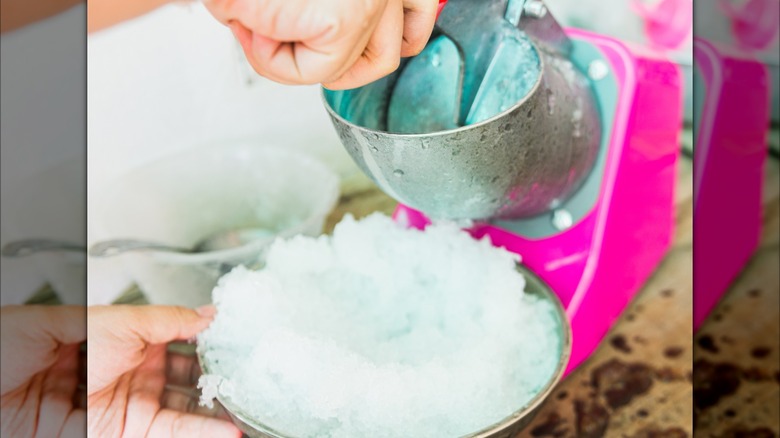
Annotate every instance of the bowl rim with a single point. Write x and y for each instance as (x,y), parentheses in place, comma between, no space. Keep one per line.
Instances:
(489,431)
(324,175)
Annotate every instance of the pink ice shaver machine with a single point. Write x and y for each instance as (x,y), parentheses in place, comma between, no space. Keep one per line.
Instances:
(559,145)
(734,107)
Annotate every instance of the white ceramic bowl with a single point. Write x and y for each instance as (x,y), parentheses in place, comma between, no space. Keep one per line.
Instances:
(186,197)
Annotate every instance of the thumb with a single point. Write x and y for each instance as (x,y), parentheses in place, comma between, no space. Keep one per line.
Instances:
(148,324)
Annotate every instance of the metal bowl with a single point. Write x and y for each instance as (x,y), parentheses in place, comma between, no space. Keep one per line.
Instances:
(519,163)
(506,428)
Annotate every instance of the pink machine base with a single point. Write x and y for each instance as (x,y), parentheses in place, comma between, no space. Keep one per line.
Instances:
(730,154)
(598,264)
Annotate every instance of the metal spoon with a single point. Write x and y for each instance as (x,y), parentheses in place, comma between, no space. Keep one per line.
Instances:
(26,247)
(215,242)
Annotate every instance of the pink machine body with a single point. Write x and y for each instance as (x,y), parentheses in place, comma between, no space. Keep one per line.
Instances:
(730,153)
(598,264)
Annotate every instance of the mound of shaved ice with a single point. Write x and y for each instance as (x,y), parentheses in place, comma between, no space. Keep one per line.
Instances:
(379,331)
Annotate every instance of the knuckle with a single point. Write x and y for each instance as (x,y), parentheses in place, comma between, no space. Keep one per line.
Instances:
(388,64)
(334,25)
(415,46)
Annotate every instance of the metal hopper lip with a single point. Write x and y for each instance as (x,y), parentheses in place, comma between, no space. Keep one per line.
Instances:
(537,84)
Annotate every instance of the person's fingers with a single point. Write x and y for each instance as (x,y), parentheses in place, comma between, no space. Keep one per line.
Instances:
(150,324)
(382,55)
(75,425)
(169,423)
(24,403)
(32,335)
(302,61)
(300,41)
(419,18)
(290,20)
(59,386)
(107,407)
(119,336)
(256,48)
(163,324)
(145,389)
(182,370)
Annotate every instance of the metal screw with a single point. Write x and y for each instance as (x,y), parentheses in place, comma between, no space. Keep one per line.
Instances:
(562,219)
(598,70)
(535,9)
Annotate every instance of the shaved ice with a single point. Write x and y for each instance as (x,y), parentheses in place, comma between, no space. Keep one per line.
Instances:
(379,331)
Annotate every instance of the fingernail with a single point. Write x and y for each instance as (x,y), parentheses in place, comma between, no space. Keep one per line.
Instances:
(206,311)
